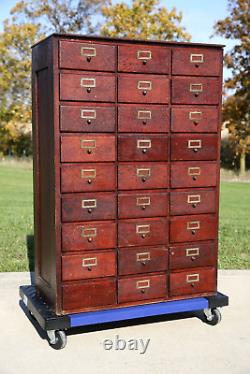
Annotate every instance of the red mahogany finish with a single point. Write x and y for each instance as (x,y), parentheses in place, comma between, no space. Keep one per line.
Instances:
(126,170)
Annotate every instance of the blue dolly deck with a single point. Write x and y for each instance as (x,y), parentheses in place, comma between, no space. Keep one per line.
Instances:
(55,325)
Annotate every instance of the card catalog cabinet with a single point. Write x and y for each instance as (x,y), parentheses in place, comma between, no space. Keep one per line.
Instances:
(126,171)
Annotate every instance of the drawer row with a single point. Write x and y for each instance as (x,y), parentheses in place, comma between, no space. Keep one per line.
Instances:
(85,235)
(142,204)
(137,118)
(139,88)
(140,58)
(90,177)
(138,147)
(108,291)
(139,260)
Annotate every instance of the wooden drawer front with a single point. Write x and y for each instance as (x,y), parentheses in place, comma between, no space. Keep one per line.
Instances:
(192,201)
(144,231)
(192,281)
(142,260)
(143,204)
(196,61)
(194,147)
(139,88)
(142,288)
(194,227)
(195,90)
(88,177)
(194,119)
(87,148)
(144,58)
(193,255)
(89,265)
(142,147)
(137,118)
(193,174)
(75,118)
(89,294)
(132,176)
(87,56)
(84,236)
(87,87)
(88,206)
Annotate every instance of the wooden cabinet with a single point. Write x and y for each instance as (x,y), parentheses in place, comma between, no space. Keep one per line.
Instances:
(126,171)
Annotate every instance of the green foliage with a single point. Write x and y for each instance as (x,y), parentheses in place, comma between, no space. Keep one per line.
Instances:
(144,19)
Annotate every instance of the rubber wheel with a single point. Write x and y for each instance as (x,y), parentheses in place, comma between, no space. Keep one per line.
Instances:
(216,317)
(61,340)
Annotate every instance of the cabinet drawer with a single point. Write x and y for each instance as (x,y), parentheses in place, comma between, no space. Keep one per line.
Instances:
(142,260)
(87,87)
(87,148)
(194,147)
(142,147)
(143,204)
(195,90)
(91,118)
(88,206)
(85,236)
(196,61)
(194,227)
(87,56)
(192,201)
(136,118)
(142,288)
(192,281)
(144,58)
(192,255)
(88,177)
(139,88)
(193,174)
(89,294)
(90,265)
(194,119)
(144,231)
(132,176)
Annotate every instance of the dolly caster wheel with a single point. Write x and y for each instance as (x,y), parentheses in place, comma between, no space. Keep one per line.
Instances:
(213,316)
(57,339)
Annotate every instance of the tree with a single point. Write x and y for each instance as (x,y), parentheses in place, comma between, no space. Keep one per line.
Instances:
(144,19)
(237,107)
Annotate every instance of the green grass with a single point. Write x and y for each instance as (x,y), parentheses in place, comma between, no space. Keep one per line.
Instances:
(16,221)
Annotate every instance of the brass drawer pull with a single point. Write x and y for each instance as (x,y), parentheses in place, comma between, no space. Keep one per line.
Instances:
(88,51)
(89,262)
(143,201)
(145,283)
(194,199)
(195,116)
(193,225)
(88,232)
(191,278)
(144,85)
(143,256)
(194,171)
(196,58)
(144,144)
(88,82)
(88,113)
(89,203)
(190,252)
(144,114)
(144,55)
(194,143)
(143,173)
(196,87)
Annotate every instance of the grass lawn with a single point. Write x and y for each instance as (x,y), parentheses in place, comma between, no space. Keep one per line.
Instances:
(16,221)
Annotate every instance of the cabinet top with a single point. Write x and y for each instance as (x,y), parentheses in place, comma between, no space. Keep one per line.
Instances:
(97,39)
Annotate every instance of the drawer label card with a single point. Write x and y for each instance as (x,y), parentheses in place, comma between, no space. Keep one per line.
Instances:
(88,232)
(90,203)
(196,58)
(143,172)
(191,278)
(190,252)
(88,113)
(143,143)
(143,200)
(145,283)
(88,173)
(144,55)
(88,51)
(88,82)
(193,225)
(144,85)
(193,199)
(142,229)
(144,114)
(88,262)
(194,143)
(88,143)
(194,170)
(143,256)
(196,87)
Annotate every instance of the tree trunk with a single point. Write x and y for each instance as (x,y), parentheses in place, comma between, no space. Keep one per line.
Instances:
(242,163)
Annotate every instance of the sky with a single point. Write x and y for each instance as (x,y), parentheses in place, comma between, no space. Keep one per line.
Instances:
(199,17)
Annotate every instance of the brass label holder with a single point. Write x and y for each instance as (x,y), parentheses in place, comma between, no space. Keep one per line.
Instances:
(88,113)
(88,51)
(192,278)
(89,203)
(145,283)
(88,82)
(144,55)
(142,229)
(190,252)
(144,114)
(195,116)
(144,85)
(89,262)
(143,200)
(196,170)
(196,58)
(196,87)
(144,143)
(88,232)
(143,256)
(88,173)
(194,143)
(193,199)
(193,225)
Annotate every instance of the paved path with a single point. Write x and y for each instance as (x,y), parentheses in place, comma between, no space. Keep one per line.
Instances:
(185,346)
